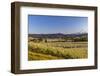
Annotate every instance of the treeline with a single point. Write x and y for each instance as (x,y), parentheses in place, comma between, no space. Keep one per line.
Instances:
(63,39)
(76,39)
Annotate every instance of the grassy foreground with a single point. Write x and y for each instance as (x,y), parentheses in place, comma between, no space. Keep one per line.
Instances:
(56,50)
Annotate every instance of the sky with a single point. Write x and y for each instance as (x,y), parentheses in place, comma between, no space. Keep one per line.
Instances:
(42,24)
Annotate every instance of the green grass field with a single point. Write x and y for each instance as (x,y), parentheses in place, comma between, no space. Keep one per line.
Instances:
(57,50)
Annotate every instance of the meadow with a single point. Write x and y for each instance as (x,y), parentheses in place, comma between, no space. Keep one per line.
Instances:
(57,50)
